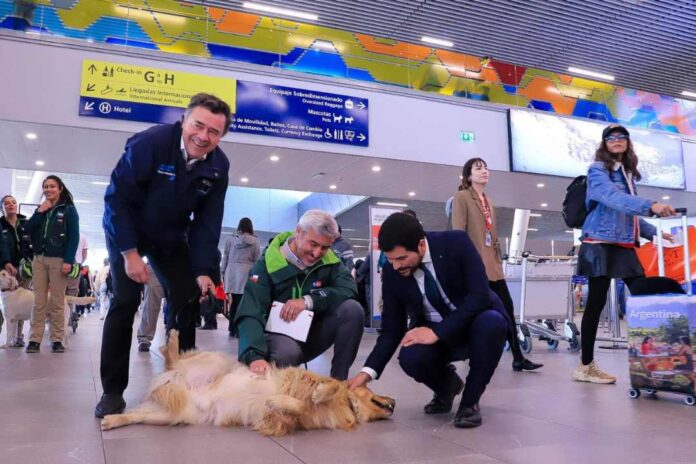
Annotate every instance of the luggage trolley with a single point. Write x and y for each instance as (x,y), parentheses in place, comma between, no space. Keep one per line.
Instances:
(542,290)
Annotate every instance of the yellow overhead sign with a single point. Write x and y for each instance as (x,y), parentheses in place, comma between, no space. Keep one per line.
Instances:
(146,85)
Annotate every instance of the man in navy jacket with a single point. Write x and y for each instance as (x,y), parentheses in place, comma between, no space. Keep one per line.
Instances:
(165,201)
(438,308)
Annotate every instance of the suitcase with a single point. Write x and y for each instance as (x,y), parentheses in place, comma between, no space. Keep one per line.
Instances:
(661,319)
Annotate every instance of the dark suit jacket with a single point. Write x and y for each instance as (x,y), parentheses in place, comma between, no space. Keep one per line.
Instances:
(461,275)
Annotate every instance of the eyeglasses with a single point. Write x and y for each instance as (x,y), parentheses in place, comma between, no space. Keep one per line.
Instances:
(614,138)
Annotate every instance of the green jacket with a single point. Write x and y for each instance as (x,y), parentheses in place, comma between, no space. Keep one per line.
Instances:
(274,279)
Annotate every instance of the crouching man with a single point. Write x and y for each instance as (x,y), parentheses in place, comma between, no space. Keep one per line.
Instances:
(439,309)
(300,270)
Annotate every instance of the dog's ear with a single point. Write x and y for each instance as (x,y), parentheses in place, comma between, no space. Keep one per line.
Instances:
(355,407)
(325,391)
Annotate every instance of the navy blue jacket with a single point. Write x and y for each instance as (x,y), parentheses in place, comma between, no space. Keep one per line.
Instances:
(152,201)
(55,233)
(17,241)
(462,276)
(4,250)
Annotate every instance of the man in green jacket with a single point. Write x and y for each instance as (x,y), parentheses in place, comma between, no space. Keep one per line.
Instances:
(300,270)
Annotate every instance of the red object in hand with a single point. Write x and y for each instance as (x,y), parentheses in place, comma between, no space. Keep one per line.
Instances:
(220,293)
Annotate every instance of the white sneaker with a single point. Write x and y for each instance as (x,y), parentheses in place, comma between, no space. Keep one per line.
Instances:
(592,373)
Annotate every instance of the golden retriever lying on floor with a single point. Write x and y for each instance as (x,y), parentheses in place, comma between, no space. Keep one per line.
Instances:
(213,388)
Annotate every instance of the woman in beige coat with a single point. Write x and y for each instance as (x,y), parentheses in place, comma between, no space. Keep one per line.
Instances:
(473,212)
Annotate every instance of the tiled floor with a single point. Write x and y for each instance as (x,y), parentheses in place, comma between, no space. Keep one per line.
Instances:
(47,401)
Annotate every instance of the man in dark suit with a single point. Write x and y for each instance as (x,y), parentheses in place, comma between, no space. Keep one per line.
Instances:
(165,201)
(438,308)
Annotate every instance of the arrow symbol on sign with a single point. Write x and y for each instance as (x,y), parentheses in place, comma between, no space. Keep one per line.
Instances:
(89,105)
(92,69)
(90,87)
(361,137)
(361,105)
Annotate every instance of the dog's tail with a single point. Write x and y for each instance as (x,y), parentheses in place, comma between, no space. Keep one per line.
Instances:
(80,300)
(170,351)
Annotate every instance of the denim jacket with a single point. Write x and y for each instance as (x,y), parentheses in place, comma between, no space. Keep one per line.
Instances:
(612,207)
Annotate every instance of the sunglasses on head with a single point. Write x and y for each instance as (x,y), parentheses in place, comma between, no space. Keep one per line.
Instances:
(614,138)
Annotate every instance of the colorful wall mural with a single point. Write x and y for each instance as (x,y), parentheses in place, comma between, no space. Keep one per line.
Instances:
(179,27)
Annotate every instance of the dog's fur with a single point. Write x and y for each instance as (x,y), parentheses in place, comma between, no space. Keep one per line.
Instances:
(213,388)
(18,303)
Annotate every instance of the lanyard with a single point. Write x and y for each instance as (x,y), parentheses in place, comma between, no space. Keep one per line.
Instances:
(487,212)
(296,290)
(48,219)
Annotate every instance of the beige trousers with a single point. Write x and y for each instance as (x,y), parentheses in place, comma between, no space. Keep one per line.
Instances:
(48,276)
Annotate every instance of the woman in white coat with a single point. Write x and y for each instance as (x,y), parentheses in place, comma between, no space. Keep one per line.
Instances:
(241,252)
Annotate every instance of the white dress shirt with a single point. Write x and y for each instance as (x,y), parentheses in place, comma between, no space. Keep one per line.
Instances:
(190,163)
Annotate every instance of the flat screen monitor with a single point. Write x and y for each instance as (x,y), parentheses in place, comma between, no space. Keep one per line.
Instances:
(545,144)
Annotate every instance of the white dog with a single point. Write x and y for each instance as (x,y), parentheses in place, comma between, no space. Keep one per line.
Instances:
(18,303)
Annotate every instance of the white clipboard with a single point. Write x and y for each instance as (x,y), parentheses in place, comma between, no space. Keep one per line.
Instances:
(297,329)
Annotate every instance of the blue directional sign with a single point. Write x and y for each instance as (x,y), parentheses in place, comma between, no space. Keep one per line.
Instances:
(131,111)
(288,112)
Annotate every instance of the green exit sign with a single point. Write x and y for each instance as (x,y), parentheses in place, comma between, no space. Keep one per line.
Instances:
(467,137)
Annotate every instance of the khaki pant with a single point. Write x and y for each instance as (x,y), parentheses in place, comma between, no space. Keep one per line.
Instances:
(48,276)
(150,308)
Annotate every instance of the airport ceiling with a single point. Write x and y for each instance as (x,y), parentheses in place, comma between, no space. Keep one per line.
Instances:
(646,44)
(89,155)
(95,152)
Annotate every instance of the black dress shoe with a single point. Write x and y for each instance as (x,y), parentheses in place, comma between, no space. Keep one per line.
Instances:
(443,404)
(110,403)
(525,365)
(33,347)
(467,417)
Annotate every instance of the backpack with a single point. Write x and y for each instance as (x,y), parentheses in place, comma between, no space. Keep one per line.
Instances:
(574,210)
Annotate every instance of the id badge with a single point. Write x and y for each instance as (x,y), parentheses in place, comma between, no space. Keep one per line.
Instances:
(489,239)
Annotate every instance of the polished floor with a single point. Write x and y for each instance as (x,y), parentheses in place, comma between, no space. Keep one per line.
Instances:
(47,401)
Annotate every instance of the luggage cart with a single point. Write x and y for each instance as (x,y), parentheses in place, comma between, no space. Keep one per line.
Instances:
(542,291)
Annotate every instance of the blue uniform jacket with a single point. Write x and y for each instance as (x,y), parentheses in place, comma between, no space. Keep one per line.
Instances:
(55,233)
(462,276)
(152,201)
(612,207)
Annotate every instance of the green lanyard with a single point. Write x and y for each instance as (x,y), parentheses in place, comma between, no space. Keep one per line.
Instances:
(296,290)
(48,219)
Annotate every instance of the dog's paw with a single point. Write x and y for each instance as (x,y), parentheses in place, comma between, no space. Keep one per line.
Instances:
(109,422)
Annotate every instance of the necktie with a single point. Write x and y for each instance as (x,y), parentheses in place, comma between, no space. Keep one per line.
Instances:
(432,293)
